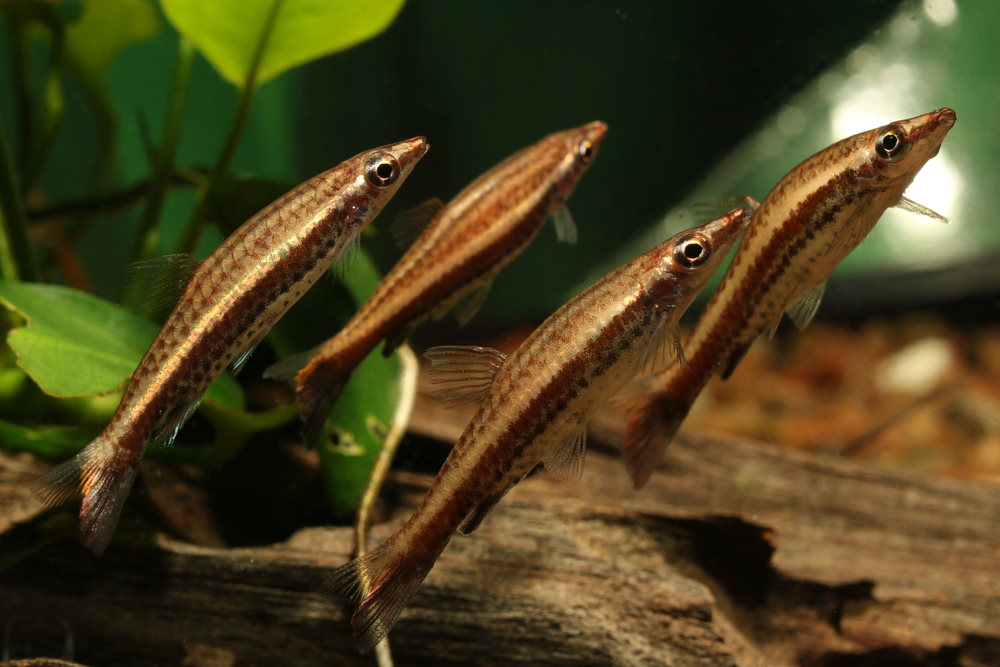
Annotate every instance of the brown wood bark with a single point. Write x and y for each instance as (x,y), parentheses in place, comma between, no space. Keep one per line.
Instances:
(735,553)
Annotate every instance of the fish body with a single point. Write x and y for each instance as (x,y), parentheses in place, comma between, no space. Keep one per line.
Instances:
(232,299)
(464,246)
(812,219)
(534,405)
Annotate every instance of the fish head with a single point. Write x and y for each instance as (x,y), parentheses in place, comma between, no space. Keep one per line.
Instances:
(576,150)
(687,260)
(369,180)
(889,157)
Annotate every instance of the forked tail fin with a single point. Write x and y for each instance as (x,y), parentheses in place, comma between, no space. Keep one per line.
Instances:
(103,483)
(652,424)
(317,387)
(390,574)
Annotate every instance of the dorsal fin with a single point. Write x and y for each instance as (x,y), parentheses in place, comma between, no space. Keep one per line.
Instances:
(237,364)
(480,512)
(803,310)
(908,204)
(170,424)
(564,224)
(411,223)
(154,285)
(566,459)
(462,374)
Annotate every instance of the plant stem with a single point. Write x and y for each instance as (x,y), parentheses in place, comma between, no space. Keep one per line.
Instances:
(148,237)
(192,230)
(16,259)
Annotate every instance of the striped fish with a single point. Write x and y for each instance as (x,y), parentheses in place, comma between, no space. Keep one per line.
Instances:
(533,407)
(813,218)
(451,264)
(230,302)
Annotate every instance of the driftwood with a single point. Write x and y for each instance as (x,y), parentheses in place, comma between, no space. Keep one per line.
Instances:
(735,553)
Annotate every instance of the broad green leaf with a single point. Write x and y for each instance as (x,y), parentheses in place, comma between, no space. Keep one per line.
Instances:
(227,31)
(75,344)
(104,30)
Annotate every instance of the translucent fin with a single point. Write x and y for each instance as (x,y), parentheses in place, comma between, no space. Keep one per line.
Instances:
(913,207)
(288,368)
(411,223)
(154,285)
(395,339)
(317,387)
(803,310)
(391,577)
(470,302)
(480,512)
(651,425)
(710,210)
(565,226)
(567,458)
(241,360)
(726,369)
(104,484)
(166,431)
(773,329)
(663,348)
(462,375)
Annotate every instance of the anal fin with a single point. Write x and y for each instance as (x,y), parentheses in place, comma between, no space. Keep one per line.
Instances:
(480,512)
(469,303)
(166,431)
(803,310)
(730,364)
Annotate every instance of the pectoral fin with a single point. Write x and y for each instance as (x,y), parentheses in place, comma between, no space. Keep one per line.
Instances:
(462,375)
(468,304)
(913,207)
(565,226)
(566,459)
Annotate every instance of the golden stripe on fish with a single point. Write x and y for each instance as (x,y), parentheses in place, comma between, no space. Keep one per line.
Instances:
(534,407)
(229,303)
(450,266)
(810,221)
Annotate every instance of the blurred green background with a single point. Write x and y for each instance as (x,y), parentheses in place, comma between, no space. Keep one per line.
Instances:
(704,101)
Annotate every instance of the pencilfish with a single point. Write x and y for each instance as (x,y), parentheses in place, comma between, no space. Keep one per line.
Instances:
(231,300)
(451,264)
(533,407)
(813,218)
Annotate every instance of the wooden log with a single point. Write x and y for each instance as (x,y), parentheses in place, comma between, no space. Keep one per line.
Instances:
(735,553)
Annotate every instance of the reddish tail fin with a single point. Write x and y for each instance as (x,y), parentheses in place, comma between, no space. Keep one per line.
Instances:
(104,484)
(317,387)
(392,574)
(652,424)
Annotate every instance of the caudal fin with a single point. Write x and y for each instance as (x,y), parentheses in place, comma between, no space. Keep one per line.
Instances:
(390,575)
(652,424)
(103,483)
(317,387)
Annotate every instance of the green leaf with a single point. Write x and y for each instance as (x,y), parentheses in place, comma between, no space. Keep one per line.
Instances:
(75,344)
(104,30)
(55,442)
(227,31)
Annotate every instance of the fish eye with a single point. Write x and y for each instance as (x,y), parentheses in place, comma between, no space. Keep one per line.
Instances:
(585,150)
(891,144)
(692,252)
(382,171)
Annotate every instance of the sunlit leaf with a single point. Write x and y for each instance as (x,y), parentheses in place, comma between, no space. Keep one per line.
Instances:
(56,442)
(227,31)
(105,29)
(75,344)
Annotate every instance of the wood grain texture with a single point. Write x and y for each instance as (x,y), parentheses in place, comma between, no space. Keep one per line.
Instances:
(736,553)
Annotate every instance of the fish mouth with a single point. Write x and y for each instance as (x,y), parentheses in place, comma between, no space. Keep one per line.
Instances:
(723,230)
(595,132)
